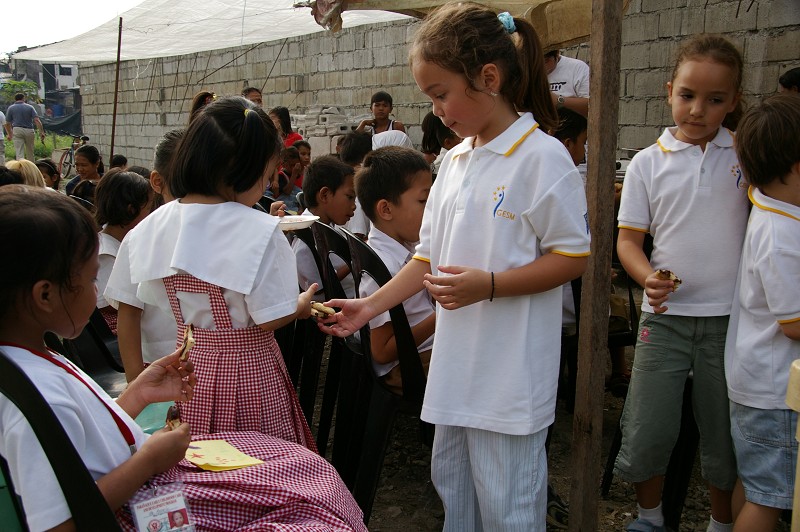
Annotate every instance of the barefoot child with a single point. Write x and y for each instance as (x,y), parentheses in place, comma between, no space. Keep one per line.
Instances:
(503,229)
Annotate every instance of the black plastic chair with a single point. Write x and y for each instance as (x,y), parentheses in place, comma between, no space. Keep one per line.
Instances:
(384,405)
(87,505)
(96,351)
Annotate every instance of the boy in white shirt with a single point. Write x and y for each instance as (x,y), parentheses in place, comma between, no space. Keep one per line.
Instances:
(329,193)
(393,187)
(764,333)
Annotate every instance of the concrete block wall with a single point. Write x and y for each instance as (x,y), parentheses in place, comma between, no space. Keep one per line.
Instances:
(344,70)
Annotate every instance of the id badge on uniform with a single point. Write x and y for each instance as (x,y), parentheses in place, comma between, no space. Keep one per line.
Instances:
(161,509)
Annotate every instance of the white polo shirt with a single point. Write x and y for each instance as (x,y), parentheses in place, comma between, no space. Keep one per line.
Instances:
(757,353)
(109,247)
(496,207)
(694,203)
(418,307)
(308,273)
(570,78)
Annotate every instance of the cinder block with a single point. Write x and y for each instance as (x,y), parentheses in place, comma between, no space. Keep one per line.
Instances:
(778,13)
(632,112)
(658,112)
(636,56)
(784,46)
(650,83)
(729,17)
(637,28)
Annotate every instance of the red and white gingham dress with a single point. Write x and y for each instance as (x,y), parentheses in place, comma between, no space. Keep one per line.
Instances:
(293,490)
(242,381)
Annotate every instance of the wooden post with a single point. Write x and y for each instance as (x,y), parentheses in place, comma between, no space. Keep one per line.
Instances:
(593,344)
(793,401)
(116,92)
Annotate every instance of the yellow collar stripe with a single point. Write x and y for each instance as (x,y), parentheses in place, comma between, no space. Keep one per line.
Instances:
(665,150)
(770,209)
(521,140)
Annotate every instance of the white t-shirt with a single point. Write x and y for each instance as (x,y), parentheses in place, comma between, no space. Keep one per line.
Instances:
(694,204)
(497,207)
(86,421)
(758,355)
(239,249)
(308,273)
(359,224)
(570,78)
(109,247)
(158,328)
(418,307)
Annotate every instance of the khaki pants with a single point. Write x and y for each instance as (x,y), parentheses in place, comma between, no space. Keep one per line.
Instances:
(23,141)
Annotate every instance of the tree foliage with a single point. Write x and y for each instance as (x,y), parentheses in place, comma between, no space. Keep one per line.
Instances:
(11,87)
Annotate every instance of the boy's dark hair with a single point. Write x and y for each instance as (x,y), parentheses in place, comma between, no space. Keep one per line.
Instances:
(229,144)
(165,149)
(790,80)
(551,54)
(19,96)
(768,139)
(284,118)
(386,174)
(10,177)
(290,153)
(301,144)
(85,190)
(325,171)
(51,235)
(570,125)
(120,198)
(118,161)
(355,146)
(248,90)
(141,170)
(434,133)
(381,96)
(47,166)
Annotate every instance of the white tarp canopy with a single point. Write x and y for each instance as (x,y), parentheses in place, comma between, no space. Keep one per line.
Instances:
(161,28)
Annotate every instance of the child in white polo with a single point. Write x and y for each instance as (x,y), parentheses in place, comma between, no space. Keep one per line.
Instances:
(393,187)
(764,335)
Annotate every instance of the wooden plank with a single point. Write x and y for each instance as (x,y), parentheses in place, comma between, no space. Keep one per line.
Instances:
(592,348)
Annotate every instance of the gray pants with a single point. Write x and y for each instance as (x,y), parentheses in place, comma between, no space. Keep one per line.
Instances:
(23,141)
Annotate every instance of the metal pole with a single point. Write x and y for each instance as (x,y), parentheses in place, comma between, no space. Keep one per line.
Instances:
(116,91)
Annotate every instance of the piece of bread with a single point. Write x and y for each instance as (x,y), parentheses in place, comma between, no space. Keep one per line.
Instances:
(666,275)
(318,310)
(173,417)
(188,341)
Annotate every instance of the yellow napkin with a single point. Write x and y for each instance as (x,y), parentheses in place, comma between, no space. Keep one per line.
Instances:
(218,455)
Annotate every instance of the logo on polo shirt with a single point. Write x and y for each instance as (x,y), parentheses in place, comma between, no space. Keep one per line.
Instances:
(499,195)
(736,171)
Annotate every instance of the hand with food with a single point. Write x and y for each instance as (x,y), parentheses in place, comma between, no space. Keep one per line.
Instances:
(188,341)
(318,310)
(173,420)
(658,286)
(167,379)
(463,286)
(354,314)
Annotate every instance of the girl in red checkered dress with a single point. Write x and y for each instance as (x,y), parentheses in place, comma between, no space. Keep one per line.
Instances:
(47,284)
(212,261)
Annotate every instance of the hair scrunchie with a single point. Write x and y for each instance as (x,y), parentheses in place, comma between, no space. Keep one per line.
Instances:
(508,21)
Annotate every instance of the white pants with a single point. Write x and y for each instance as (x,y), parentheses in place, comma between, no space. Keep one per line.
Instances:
(23,142)
(490,481)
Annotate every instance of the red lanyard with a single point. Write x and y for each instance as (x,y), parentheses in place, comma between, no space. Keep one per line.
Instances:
(121,425)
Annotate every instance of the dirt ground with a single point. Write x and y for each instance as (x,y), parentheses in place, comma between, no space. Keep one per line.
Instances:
(407,501)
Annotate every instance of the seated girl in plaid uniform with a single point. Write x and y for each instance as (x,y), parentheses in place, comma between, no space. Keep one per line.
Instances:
(212,261)
(47,284)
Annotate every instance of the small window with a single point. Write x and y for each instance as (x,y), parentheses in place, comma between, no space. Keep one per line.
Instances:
(64,71)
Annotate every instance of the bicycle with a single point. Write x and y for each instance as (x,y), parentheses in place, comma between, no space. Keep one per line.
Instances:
(66,164)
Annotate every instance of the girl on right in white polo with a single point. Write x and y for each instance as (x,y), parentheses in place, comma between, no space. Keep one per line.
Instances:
(687,191)
(504,227)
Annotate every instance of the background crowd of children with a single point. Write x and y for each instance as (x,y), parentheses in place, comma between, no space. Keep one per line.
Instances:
(479,258)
